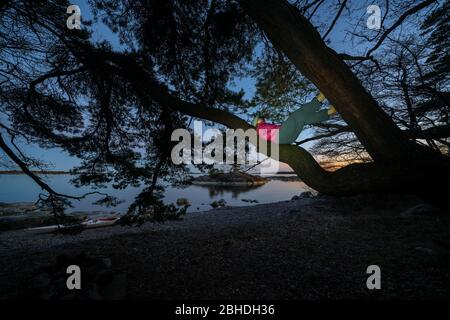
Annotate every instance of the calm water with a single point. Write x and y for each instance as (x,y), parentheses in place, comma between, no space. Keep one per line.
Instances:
(20,188)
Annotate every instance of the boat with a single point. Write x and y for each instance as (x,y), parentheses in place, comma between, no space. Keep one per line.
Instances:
(88,224)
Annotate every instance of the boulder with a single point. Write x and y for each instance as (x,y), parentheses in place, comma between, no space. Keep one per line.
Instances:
(218,203)
(303,195)
(424,209)
(17,208)
(306,195)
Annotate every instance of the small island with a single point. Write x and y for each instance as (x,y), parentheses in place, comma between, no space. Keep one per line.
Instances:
(233,178)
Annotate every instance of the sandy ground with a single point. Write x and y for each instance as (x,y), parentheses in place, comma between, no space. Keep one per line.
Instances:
(315,248)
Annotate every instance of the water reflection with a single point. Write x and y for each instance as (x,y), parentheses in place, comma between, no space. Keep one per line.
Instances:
(20,188)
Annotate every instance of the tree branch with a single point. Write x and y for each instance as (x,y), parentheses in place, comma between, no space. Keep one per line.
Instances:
(400,20)
(321,136)
(33,176)
(335,19)
(434,133)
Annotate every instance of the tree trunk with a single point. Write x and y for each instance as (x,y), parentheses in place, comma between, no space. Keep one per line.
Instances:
(399,164)
(293,34)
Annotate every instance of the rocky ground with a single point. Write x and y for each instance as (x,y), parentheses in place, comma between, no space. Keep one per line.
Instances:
(307,248)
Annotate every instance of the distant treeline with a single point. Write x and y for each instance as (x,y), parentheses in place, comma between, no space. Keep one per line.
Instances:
(35,172)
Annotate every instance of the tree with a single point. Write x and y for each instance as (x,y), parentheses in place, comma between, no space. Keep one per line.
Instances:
(116,109)
(407,85)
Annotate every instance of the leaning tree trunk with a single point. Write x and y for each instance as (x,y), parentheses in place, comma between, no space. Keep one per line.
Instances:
(399,164)
(298,39)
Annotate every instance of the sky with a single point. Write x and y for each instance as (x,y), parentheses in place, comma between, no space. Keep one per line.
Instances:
(57,159)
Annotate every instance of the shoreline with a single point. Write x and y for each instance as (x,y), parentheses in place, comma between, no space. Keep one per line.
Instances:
(280,250)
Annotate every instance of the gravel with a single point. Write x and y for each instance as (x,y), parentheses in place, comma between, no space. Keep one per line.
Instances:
(310,248)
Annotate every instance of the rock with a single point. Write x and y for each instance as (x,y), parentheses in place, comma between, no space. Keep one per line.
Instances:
(420,210)
(214,204)
(17,208)
(219,203)
(183,202)
(303,195)
(306,195)
(424,250)
(107,262)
